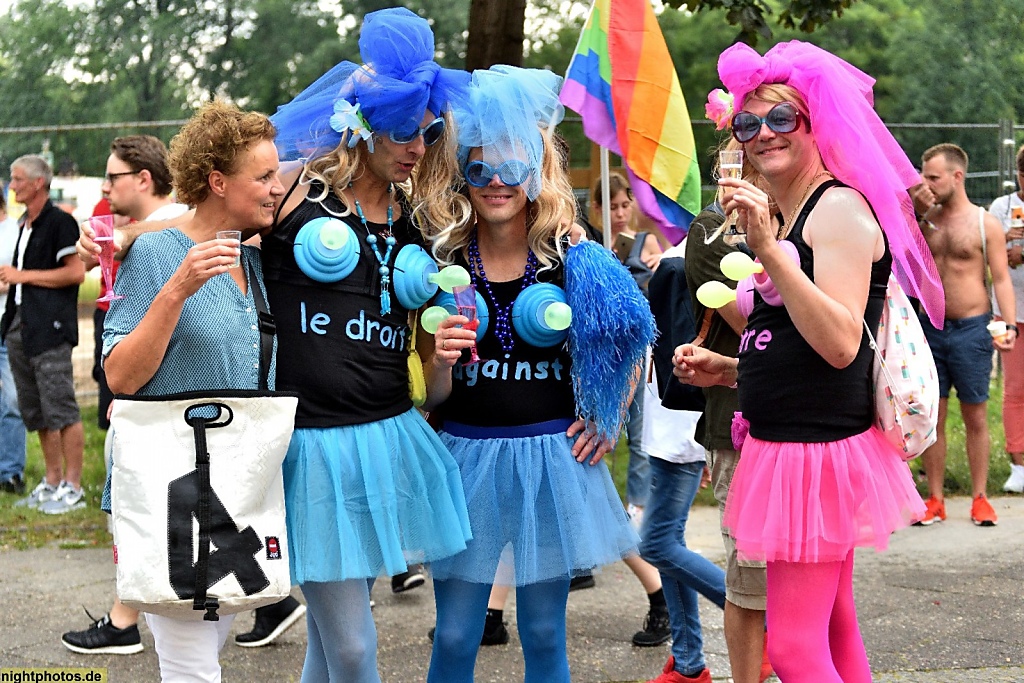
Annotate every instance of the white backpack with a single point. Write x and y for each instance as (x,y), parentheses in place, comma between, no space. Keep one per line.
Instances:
(906,386)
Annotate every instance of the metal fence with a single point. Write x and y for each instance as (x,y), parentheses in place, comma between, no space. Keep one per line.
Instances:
(83,148)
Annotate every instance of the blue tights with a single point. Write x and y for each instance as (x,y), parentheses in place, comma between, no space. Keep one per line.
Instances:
(461,611)
(342,645)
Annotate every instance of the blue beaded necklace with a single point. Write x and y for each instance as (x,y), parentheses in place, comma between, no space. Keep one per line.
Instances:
(502,314)
(389,240)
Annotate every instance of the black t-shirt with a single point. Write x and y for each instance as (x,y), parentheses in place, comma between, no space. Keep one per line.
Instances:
(345,360)
(49,316)
(527,386)
(786,390)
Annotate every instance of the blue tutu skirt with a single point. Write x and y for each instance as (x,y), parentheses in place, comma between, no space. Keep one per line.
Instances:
(533,506)
(365,498)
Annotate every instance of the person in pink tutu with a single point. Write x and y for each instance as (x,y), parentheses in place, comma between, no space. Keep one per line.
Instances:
(816,477)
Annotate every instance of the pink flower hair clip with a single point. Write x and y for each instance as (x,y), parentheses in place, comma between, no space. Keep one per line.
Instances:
(719,108)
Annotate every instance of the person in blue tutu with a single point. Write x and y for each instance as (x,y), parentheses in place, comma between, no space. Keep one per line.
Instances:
(369,487)
(540,497)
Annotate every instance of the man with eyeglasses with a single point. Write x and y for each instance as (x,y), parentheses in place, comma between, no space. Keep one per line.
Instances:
(1009,209)
(40,327)
(136,186)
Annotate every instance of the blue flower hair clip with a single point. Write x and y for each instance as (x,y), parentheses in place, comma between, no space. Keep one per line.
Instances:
(347,117)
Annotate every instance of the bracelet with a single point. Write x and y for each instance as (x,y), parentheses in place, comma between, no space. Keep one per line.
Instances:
(1012,327)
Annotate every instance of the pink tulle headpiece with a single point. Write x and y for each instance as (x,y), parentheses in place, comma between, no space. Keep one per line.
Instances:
(854,144)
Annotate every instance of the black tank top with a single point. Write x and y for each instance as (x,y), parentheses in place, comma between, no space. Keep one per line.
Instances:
(526,386)
(786,390)
(345,360)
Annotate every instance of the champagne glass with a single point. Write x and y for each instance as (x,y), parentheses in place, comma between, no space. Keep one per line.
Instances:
(103,228)
(730,165)
(465,302)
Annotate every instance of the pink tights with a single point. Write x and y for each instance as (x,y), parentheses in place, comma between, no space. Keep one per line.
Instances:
(813,635)
(1013,398)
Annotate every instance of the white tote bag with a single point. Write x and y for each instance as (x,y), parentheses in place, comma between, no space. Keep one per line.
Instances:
(200,535)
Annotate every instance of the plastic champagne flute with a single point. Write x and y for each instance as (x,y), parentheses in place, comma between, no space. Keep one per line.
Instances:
(103,228)
(465,302)
(730,165)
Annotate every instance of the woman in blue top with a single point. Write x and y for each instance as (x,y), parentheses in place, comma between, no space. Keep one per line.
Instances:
(188,322)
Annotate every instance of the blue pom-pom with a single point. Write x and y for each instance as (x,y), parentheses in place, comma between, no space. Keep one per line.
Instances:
(612,327)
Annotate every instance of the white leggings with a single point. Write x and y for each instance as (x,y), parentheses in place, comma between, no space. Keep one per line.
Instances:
(189,650)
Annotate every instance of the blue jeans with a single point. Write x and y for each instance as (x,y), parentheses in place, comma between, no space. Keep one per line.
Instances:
(12,429)
(638,477)
(684,573)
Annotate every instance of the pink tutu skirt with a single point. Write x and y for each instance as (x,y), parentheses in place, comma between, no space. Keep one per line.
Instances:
(814,502)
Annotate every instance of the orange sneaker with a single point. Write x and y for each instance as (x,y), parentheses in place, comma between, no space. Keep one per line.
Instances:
(670,675)
(935,511)
(982,513)
(766,666)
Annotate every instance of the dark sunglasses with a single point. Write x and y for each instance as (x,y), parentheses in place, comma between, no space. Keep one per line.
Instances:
(431,133)
(511,173)
(782,118)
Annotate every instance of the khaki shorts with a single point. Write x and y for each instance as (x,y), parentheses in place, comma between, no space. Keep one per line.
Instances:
(45,383)
(745,583)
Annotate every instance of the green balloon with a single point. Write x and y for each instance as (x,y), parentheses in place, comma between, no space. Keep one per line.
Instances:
(433,317)
(450,276)
(334,234)
(558,316)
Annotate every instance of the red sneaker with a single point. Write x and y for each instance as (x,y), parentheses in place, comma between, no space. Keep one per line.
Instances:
(935,512)
(766,666)
(670,675)
(982,513)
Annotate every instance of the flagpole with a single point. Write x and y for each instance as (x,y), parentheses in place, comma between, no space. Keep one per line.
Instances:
(606,200)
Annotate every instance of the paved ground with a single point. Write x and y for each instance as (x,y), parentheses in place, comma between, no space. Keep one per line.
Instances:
(942,606)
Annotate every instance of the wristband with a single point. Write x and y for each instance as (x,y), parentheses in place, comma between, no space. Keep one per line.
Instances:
(1012,327)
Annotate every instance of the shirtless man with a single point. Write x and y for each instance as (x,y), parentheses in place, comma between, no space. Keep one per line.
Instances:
(953,227)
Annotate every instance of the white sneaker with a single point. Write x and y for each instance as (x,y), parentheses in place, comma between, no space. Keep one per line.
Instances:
(66,499)
(1015,484)
(42,493)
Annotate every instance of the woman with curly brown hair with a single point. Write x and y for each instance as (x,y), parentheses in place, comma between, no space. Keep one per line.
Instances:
(188,320)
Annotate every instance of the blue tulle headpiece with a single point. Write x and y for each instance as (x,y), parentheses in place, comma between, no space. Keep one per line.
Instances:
(504,112)
(397,83)
(612,327)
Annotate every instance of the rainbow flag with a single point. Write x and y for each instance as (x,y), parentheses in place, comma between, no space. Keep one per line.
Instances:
(622,59)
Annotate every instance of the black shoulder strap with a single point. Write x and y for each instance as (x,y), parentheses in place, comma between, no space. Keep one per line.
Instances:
(813,200)
(638,245)
(267,326)
(280,205)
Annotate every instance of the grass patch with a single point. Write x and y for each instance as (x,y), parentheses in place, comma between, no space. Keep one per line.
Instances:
(21,529)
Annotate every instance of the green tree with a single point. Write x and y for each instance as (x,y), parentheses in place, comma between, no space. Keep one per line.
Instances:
(750,16)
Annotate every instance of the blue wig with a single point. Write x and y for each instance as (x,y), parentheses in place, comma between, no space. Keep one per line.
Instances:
(396,85)
(504,112)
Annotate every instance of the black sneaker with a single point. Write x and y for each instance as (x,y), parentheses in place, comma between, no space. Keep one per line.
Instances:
(15,484)
(407,580)
(497,636)
(103,638)
(270,622)
(578,583)
(656,629)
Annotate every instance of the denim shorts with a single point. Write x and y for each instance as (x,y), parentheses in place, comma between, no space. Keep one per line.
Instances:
(963,356)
